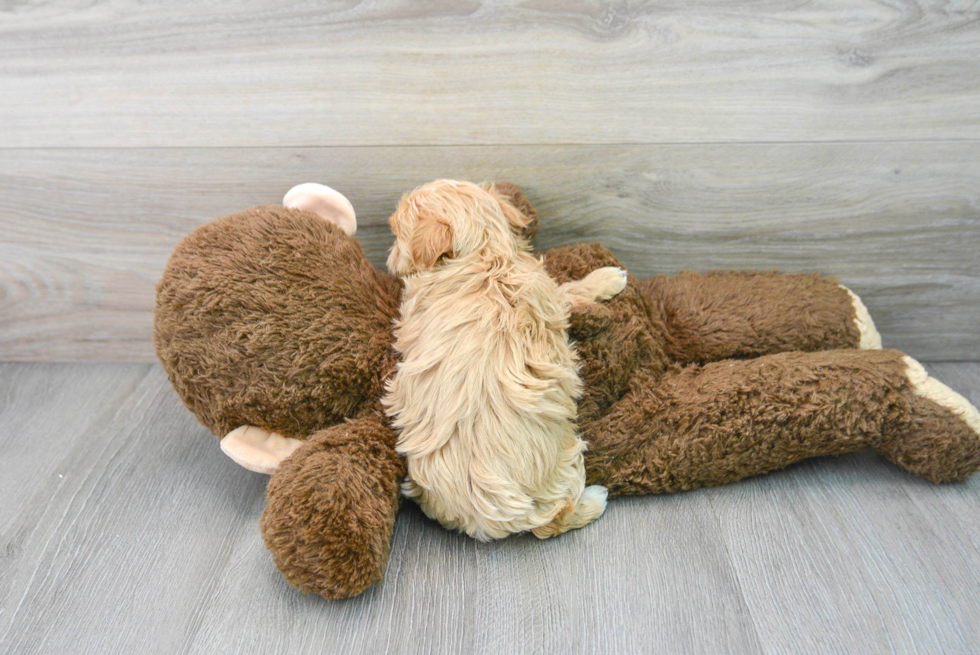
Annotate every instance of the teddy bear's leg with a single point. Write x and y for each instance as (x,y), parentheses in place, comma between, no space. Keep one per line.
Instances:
(728,314)
(258,449)
(331,507)
(720,422)
(932,444)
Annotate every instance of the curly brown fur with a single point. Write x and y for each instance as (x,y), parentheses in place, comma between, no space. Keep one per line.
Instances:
(732,314)
(274,318)
(669,426)
(720,422)
(933,442)
(615,340)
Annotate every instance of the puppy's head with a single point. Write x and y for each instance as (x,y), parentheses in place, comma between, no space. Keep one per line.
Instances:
(447,219)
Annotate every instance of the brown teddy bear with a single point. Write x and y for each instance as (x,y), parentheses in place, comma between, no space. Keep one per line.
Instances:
(276,332)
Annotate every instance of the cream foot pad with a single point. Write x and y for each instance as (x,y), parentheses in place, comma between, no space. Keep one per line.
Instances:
(939,393)
(870,339)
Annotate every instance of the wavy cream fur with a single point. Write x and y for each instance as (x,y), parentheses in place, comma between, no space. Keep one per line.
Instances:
(869,337)
(484,398)
(931,388)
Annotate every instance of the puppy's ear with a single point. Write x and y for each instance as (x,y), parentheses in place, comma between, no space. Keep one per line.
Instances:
(431,241)
(515,217)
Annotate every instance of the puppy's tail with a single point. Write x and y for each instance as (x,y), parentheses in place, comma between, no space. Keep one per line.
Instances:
(590,506)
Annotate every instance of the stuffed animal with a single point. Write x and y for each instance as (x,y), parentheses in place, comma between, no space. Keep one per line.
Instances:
(276,332)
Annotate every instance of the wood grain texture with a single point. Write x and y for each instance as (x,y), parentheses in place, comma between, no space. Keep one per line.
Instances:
(398,72)
(852,550)
(86,233)
(124,529)
(120,534)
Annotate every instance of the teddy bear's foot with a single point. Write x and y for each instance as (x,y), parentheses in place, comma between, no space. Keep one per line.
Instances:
(257,449)
(870,339)
(329,204)
(942,441)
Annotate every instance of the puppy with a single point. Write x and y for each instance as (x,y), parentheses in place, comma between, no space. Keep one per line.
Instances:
(484,398)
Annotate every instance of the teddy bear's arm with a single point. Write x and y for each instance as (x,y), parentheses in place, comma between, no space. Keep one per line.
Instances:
(714,424)
(331,508)
(729,314)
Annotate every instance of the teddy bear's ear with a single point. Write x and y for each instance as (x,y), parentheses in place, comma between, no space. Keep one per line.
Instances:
(329,204)
(257,449)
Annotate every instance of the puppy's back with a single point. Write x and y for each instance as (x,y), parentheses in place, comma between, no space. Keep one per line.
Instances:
(484,399)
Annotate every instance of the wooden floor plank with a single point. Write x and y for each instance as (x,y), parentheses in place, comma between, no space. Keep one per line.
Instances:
(86,233)
(148,542)
(642,582)
(33,437)
(637,584)
(393,72)
(818,573)
(851,554)
(960,503)
(113,554)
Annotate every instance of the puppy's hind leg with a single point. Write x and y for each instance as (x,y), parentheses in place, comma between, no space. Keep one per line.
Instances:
(590,506)
(601,284)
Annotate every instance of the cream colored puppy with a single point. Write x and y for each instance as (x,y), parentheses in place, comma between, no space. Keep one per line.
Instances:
(484,398)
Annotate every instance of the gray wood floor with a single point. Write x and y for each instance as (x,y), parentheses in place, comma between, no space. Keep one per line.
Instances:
(123,529)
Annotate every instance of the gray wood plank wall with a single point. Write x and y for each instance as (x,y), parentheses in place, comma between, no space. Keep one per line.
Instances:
(842,137)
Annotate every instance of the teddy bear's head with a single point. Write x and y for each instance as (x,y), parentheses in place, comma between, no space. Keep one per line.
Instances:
(273,317)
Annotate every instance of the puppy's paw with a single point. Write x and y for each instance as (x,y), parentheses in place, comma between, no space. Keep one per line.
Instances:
(591,504)
(593,501)
(609,282)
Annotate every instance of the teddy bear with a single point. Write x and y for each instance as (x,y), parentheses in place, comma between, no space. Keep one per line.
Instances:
(277,332)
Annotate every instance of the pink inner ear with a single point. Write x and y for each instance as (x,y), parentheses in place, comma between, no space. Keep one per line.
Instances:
(327,203)
(257,449)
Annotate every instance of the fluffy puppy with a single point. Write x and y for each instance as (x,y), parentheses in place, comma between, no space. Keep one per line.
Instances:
(484,398)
